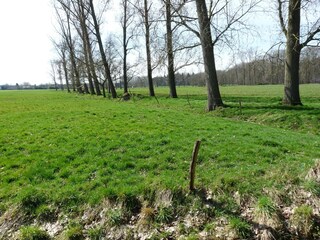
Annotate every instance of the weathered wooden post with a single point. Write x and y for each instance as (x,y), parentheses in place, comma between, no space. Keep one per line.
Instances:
(193,164)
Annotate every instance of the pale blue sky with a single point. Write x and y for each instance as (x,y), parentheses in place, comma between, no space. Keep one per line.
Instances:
(25,47)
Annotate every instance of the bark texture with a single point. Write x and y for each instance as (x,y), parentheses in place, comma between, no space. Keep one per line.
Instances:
(148,48)
(171,77)
(292,59)
(103,55)
(214,96)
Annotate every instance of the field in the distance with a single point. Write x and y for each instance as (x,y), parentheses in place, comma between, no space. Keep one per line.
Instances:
(70,150)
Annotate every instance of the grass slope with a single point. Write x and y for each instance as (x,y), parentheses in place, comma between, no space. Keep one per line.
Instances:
(69,149)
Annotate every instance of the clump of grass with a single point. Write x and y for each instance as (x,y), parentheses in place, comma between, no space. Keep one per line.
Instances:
(164,214)
(2,209)
(131,204)
(31,200)
(116,217)
(302,220)
(74,232)
(46,213)
(160,235)
(210,227)
(312,186)
(242,228)
(33,233)
(226,205)
(266,213)
(147,215)
(95,233)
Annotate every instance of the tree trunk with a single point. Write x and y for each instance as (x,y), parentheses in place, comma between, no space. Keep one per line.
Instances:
(293,50)
(125,47)
(103,55)
(65,69)
(75,68)
(94,75)
(72,76)
(73,58)
(94,83)
(60,75)
(171,77)
(85,43)
(92,65)
(149,67)
(87,64)
(214,97)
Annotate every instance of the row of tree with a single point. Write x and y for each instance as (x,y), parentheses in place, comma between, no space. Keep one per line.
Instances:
(255,69)
(165,36)
(270,68)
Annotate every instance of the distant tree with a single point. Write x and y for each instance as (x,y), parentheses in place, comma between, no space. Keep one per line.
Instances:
(62,51)
(59,70)
(309,67)
(53,74)
(129,34)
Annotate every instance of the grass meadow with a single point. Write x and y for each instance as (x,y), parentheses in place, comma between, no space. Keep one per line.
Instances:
(70,150)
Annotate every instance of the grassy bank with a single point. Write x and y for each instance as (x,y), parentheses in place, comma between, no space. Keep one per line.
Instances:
(68,150)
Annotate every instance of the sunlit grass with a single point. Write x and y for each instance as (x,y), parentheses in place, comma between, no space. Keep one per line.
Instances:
(73,149)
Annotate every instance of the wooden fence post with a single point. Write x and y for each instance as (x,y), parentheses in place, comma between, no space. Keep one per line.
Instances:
(193,164)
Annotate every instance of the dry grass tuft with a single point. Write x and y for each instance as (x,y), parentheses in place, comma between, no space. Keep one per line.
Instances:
(314,173)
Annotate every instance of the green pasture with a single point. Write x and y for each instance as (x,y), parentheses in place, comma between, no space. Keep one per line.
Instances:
(71,149)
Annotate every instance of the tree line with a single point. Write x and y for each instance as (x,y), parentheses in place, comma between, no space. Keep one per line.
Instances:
(169,35)
(255,69)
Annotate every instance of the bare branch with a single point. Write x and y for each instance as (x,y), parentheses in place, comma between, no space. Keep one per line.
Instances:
(311,37)
(280,14)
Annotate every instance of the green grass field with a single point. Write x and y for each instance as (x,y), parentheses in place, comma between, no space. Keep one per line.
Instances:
(68,150)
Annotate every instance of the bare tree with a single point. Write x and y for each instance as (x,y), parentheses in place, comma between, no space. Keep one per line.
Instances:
(66,34)
(81,16)
(62,49)
(128,35)
(295,42)
(102,51)
(214,96)
(171,72)
(144,10)
(215,23)
(53,64)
